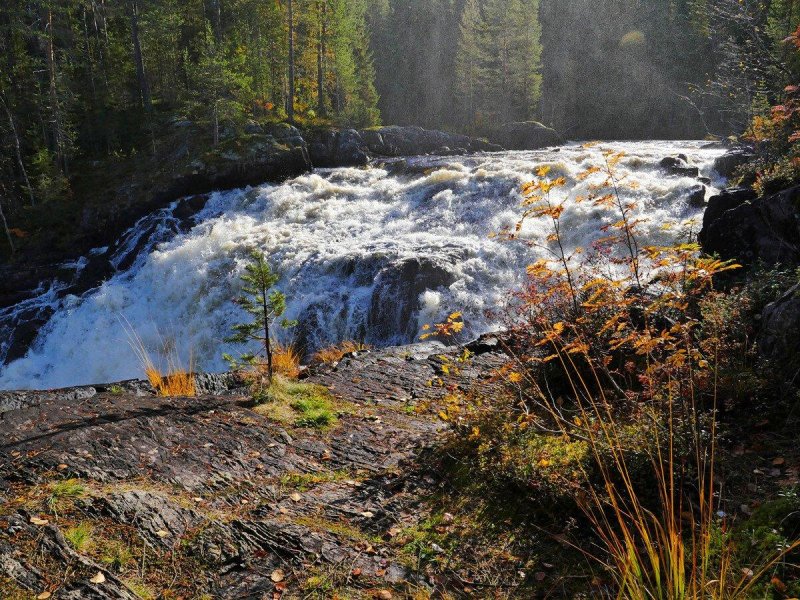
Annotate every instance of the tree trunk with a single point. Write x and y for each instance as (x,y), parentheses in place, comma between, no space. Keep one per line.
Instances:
(216,124)
(267,341)
(5,228)
(55,112)
(89,58)
(141,75)
(322,8)
(216,20)
(290,104)
(17,149)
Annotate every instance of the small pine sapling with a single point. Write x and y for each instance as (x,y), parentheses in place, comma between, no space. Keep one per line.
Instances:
(265,306)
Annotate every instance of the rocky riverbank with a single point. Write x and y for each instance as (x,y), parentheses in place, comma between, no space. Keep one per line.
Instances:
(109,492)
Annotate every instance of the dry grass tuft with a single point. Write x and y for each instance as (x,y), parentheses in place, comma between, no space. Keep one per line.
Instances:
(174,384)
(174,380)
(286,361)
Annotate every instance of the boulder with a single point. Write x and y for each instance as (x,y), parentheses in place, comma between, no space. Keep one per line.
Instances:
(396,140)
(697,196)
(726,200)
(678,166)
(738,227)
(330,148)
(395,298)
(526,135)
(780,331)
(727,164)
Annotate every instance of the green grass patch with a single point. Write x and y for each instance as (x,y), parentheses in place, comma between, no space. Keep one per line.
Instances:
(63,491)
(340,529)
(140,589)
(299,404)
(305,481)
(80,536)
(116,555)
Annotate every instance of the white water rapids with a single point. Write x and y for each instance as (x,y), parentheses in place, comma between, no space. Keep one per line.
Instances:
(365,254)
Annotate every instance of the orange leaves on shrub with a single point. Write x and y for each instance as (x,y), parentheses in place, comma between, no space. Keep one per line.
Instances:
(452,326)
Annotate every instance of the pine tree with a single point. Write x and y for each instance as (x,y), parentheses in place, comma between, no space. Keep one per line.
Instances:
(265,306)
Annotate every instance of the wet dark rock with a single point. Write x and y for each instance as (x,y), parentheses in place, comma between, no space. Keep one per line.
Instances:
(409,141)
(485,344)
(189,207)
(779,338)
(727,199)
(727,164)
(738,227)
(526,135)
(396,296)
(336,148)
(697,196)
(24,331)
(678,166)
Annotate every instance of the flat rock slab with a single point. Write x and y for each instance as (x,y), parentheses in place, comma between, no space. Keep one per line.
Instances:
(214,498)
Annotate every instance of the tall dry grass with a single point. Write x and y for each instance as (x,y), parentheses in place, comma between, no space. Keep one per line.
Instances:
(622,323)
(286,360)
(678,549)
(168,376)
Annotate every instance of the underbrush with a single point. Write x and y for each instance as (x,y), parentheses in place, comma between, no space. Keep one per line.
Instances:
(776,135)
(622,358)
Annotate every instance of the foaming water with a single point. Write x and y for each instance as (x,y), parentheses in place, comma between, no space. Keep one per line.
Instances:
(366,254)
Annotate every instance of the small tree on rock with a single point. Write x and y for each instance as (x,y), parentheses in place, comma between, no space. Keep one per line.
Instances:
(265,305)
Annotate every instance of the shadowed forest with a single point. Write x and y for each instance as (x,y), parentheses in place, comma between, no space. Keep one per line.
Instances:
(85,80)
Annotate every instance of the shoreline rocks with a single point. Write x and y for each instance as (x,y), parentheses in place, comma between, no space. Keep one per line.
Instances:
(525,135)
(738,226)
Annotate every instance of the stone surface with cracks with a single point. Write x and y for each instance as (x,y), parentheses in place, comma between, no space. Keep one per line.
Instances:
(236,500)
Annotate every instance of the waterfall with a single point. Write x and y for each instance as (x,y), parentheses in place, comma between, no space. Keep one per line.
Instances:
(365,254)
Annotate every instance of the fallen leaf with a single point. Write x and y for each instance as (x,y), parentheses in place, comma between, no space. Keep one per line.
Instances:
(38,521)
(296,497)
(161,533)
(43,596)
(278,575)
(99,578)
(778,462)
